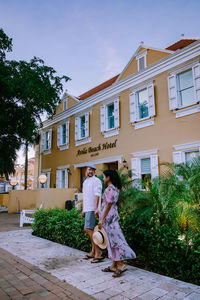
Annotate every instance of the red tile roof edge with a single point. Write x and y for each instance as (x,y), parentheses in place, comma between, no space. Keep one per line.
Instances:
(98,88)
(181,44)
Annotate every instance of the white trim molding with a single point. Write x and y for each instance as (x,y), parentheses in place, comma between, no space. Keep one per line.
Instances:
(191,145)
(185,67)
(100,161)
(46,170)
(144,123)
(145,153)
(63,167)
(187,111)
(112,132)
(83,141)
(167,64)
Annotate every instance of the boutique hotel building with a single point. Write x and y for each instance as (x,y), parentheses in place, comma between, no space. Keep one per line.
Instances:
(147,114)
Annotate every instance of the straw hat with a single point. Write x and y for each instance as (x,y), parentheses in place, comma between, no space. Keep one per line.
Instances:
(100,238)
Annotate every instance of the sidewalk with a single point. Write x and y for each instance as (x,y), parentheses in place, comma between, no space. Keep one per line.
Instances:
(66,263)
(21,280)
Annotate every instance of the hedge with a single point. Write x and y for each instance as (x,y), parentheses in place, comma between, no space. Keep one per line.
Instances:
(159,249)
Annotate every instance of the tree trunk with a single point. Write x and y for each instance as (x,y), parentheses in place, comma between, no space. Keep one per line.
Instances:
(26,166)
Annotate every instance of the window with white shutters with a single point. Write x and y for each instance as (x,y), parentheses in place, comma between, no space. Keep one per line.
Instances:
(109,116)
(196,78)
(62,178)
(63,136)
(46,141)
(82,128)
(142,104)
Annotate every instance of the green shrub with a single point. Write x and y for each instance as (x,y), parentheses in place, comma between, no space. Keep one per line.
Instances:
(61,226)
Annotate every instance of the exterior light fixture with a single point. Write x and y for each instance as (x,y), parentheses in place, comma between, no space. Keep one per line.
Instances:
(125,164)
(42,180)
(13,183)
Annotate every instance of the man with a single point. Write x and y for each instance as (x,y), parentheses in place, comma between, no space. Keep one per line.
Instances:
(92,189)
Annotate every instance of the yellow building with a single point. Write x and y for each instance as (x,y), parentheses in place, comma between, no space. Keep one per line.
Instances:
(149,113)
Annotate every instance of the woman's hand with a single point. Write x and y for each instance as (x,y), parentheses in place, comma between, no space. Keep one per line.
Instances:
(96,213)
(83,215)
(100,224)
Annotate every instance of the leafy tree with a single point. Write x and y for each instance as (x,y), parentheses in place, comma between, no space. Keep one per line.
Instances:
(27,91)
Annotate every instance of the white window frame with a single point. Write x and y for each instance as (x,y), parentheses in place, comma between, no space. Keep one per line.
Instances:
(139,56)
(108,132)
(133,106)
(181,150)
(58,176)
(78,139)
(173,90)
(43,148)
(60,145)
(136,164)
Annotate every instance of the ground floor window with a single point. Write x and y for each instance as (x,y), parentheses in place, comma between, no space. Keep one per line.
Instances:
(62,179)
(111,166)
(189,156)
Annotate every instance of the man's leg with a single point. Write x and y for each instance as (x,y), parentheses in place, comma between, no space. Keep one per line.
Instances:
(89,232)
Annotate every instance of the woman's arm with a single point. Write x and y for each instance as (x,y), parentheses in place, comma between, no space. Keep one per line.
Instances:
(106,211)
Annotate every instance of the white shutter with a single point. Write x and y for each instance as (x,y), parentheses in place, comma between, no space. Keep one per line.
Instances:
(151,100)
(116,112)
(178,157)
(66,179)
(103,118)
(133,107)
(48,179)
(50,139)
(154,166)
(77,126)
(59,136)
(172,91)
(42,141)
(196,78)
(87,124)
(136,171)
(67,132)
(58,179)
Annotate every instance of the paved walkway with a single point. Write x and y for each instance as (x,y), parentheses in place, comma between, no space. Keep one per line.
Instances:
(21,280)
(66,264)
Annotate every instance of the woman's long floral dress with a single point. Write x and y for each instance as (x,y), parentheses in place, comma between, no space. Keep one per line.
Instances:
(118,249)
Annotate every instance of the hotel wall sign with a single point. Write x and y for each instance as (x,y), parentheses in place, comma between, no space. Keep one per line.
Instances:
(93,151)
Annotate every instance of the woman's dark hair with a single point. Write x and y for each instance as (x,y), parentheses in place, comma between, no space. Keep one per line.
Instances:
(114,178)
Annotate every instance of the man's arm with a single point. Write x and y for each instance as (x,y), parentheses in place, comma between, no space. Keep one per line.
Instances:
(97,193)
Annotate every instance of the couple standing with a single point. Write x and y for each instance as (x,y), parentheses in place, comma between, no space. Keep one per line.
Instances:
(108,232)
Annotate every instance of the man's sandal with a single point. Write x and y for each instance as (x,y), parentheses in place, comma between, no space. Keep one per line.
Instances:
(87,256)
(108,269)
(118,273)
(97,260)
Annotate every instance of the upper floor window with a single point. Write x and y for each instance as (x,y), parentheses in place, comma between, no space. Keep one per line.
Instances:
(109,117)
(82,129)
(63,136)
(184,88)
(143,109)
(142,106)
(46,141)
(141,60)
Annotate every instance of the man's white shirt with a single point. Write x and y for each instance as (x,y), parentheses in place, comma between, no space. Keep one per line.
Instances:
(92,187)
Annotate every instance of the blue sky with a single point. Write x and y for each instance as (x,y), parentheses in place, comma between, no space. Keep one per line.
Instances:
(92,40)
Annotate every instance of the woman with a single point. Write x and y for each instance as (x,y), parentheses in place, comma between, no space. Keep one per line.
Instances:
(118,249)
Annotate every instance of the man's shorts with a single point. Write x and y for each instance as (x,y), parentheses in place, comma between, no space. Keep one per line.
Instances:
(90,220)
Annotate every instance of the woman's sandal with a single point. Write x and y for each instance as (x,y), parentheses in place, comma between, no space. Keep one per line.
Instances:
(87,256)
(108,269)
(97,260)
(118,273)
